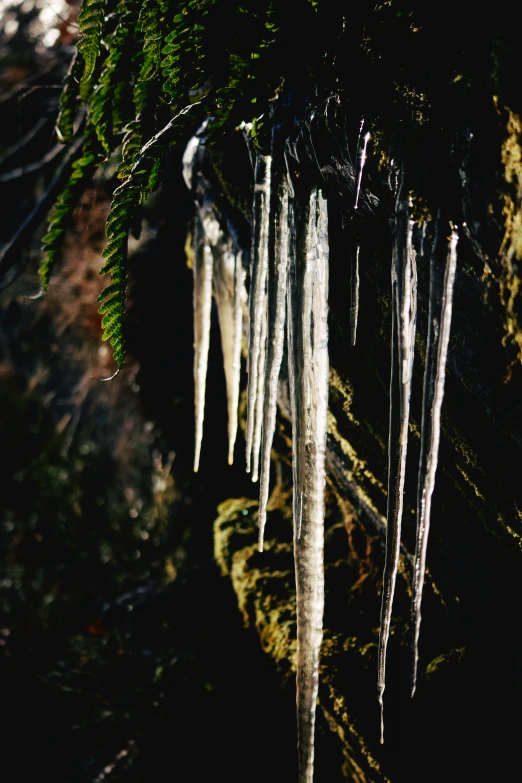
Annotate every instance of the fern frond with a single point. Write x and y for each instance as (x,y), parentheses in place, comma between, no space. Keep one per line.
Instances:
(152,19)
(151,26)
(125,203)
(182,56)
(106,110)
(130,148)
(90,22)
(82,171)
(69,100)
(155,175)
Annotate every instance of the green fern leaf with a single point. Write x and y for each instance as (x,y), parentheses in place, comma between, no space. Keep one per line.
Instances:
(69,100)
(183,61)
(126,200)
(130,148)
(90,22)
(107,104)
(81,174)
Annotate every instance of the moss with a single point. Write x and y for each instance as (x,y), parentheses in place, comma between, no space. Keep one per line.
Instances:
(264,586)
(263,583)
(441,663)
(511,248)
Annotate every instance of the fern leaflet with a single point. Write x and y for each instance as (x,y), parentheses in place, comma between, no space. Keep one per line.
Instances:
(126,200)
(69,100)
(90,22)
(82,171)
(106,111)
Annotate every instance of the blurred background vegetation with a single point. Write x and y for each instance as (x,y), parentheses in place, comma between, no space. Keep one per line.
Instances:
(121,648)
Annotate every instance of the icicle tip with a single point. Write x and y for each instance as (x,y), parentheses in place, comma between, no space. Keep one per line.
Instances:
(104,380)
(39,295)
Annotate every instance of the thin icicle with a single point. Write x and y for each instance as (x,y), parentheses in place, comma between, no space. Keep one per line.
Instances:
(260,395)
(443,265)
(291,341)
(403,340)
(203,263)
(354,297)
(239,298)
(361,160)
(277,286)
(227,292)
(310,364)
(258,269)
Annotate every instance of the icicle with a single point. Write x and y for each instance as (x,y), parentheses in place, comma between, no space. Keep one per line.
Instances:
(361,160)
(443,264)
(203,263)
(291,332)
(260,394)
(403,339)
(189,157)
(277,286)
(227,291)
(258,269)
(354,299)
(239,299)
(310,382)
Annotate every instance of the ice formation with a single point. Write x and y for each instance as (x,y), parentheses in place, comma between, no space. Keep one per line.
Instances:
(228,285)
(310,404)
(217,268)
(361,160)
(257,298)
(278,256)
(354,297)
(288,298)
(443,264)
(404,293)
(203,268)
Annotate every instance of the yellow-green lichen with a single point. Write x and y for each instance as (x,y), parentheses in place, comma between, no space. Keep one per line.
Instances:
(266,595)
(511,247)
(264,586)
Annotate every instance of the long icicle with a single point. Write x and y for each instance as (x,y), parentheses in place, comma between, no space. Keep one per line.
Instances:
(258,269)
(292,329)
(203,264)
(443,263)
(403,339)
(311,405)
(354,297)
(277,286)
(361,160)
(239,298)
(260,395)
(227,290)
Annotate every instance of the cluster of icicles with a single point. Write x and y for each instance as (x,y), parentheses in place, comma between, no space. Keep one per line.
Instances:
(288,299)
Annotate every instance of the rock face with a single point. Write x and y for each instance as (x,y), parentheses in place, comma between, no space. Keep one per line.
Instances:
(459,724)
